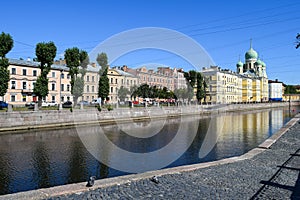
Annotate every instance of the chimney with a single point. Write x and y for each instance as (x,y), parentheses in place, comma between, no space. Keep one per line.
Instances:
(125,68)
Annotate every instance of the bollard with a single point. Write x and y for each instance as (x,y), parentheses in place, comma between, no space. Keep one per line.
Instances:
(9,108)
(36,107)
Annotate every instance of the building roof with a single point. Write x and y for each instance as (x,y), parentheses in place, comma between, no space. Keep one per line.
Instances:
(121,72)
(34,64)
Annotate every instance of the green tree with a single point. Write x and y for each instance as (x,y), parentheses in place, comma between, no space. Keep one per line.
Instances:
(45,53)
(191,78)
(298,41)
(6,44)
(123,92)
(103,89)
(133,91)
(102,60)
(201,87)
(181,93)
(290,89)
(76,58)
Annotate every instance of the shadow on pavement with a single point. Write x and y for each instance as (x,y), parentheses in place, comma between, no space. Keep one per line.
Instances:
(268,188)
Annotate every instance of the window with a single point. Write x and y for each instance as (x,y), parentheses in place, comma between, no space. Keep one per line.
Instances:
(62,75)
(68,76)
(53,98)
(13,84)
(13,70)
(24,72)
(24,98)
(12,98)
(88,78)
(68,88)
(111,89)
(92,97)
(61,99)
(24,85)
(34,73)
(93,79)
(116,81)
(62,87)
(53,87)
(68,98)
(33,84)
(93,88)
(111,80)
(88,88)
(87,98)
(53,74)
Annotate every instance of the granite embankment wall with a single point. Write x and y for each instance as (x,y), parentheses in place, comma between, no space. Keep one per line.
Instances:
(55,118)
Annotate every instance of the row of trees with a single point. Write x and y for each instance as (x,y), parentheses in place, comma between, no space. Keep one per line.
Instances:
(193,78)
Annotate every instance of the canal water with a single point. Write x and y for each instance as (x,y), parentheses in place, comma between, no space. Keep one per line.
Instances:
(39,159)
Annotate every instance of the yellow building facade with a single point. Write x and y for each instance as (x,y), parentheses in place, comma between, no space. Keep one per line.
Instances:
(248,84)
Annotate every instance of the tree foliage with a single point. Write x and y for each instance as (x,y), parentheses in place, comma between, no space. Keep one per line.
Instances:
(290,89)
(146,91)
(102,60)
(45,53)
(123,92)
(103,89)
(6,44)
(195,79)
(76,58)
(191,79)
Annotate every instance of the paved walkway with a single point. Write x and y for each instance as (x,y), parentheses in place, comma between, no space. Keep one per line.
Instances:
(272,173)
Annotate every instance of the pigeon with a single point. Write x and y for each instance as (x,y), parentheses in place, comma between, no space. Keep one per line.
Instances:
(91,181)
(154,179)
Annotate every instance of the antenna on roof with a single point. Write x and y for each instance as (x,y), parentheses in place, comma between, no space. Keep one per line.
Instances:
(250,43)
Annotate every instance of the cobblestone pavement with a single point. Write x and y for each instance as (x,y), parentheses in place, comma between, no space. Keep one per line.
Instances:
(272,174)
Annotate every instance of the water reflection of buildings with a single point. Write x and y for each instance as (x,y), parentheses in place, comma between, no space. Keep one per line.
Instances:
(245,131)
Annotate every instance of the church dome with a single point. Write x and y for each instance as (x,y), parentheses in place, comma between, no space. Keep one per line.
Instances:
(258,62)
(239,64)
(251,54)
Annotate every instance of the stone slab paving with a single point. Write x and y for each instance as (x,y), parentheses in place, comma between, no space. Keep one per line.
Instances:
(269,172)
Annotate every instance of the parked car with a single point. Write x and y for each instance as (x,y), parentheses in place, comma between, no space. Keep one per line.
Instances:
(85,103)
(96,102)
(47,104)
(3,104)
(30,104)
(67,104)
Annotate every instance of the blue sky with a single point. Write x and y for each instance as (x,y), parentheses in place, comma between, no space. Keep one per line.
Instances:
(223,28)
